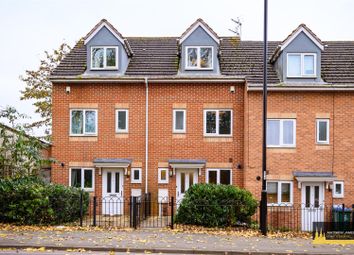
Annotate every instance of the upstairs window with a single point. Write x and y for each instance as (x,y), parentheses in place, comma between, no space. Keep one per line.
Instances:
(200,57)
(217,122)
(322,130)
(83,122)
(179,121)
(104,58)
(281,132)
(301,65)
(122,121)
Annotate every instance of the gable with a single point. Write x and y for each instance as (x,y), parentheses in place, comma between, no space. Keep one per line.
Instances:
(301,43)
(199,24)
(199,37)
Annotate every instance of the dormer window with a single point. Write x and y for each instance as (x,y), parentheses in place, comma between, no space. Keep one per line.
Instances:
(301,65)
(199,57)
(104,57)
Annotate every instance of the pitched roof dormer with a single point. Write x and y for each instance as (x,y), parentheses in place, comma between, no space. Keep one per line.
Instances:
(298,57)
(199,48)
(291,37)
(199,23)
(107,50)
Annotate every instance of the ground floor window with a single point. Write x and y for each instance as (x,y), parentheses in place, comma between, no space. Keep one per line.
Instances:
(82,178)
(279,192)
(136,175)
(163,175)
(218,176)
(338,189)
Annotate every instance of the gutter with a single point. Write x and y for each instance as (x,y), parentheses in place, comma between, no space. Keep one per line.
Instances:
(146,134)
(308,89)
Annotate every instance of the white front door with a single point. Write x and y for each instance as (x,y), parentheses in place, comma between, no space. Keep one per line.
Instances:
(312,204)
(112,191)
(184,179)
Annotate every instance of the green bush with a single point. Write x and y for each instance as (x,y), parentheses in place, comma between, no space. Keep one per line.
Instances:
(211,205)
(28,200)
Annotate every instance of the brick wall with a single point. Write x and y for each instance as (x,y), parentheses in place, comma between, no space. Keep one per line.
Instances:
(307,156)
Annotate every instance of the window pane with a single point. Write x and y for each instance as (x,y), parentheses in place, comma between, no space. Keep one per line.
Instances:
(88,177)
(191,179)
(211,122)
(273,132)
(288,132)
(205,57)
(225,177)
(322,129)
(338,189)
(97,57)
(136,174)
(163,175)
(212,177)
(109,182)
(111,57)
(77,122)
(308,196)
(309,64)
(179,119)
(317,196)
(122,120)
(192,57)
(76,178)
(225,122)
(272,192)
(294,65)
(117,188)
(90,122)
(183,182)
(285,192)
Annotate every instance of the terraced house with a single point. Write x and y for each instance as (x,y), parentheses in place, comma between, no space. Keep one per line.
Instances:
(156,115)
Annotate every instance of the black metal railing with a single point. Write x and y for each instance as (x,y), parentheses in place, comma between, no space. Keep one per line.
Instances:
(159,212)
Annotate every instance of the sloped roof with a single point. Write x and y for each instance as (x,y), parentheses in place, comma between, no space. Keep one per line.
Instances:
(155,56)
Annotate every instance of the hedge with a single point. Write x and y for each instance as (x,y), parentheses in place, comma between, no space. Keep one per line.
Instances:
(211,205)
(28,200)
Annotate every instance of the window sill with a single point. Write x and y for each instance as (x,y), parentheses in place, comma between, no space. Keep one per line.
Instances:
(281,149)
(135,182)
(198,69)
(163,183)
(212,139)
(323,146)
(83,139)
(285,205)
(122,135)
(178,136)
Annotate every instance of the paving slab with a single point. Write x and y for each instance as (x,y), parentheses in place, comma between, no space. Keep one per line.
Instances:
(165,241)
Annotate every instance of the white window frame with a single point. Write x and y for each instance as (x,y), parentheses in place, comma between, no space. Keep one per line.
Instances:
(302,56)
(160,169)
(174,130)
(126,130)
(132,175)
(198,67)
(105,67)
(281,129)
(217,123)
(217,170)
(84,133)
(83,177)
(280,203)
(318,131)
(334,189)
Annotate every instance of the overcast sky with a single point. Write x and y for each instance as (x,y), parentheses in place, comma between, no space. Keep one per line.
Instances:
(29,27)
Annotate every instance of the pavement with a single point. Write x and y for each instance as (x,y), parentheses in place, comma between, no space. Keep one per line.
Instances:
(159,241)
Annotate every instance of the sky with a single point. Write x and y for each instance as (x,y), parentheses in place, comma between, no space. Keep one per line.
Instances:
(30,27)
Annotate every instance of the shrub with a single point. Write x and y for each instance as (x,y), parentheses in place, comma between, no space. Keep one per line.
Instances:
(28,200)
(211,205)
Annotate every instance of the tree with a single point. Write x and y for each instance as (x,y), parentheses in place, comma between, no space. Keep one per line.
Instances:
(20,154)
(39,87)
